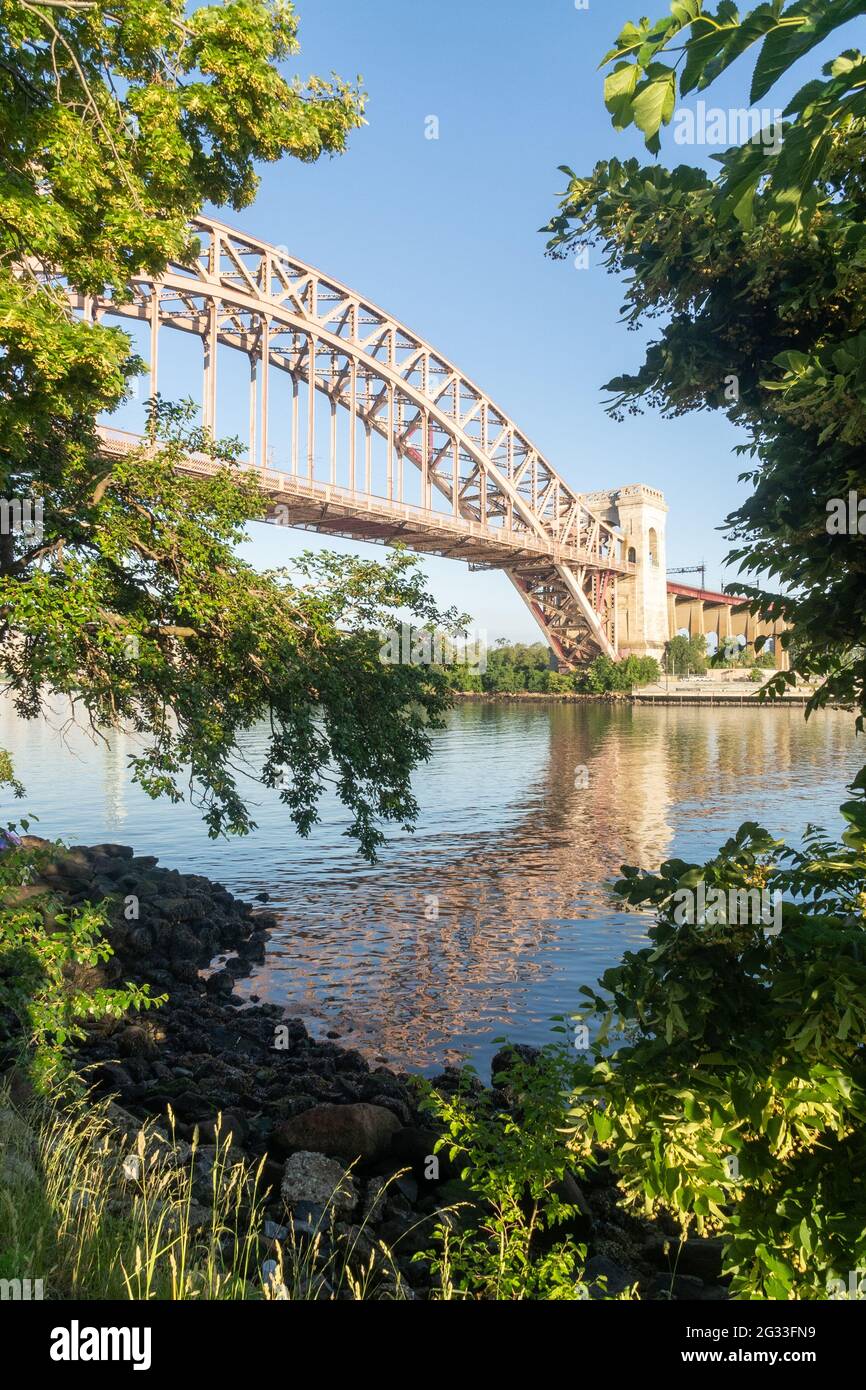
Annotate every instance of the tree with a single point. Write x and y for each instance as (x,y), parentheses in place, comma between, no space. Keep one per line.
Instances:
(757,276)
(117,123)
(749,1125)
(684,655)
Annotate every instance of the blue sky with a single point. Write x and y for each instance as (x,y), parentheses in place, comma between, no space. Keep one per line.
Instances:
(444,234)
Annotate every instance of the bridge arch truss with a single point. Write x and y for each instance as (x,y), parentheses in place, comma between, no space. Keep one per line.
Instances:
(485,493)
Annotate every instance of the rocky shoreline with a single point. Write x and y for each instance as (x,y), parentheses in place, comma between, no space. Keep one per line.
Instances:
(308,1108)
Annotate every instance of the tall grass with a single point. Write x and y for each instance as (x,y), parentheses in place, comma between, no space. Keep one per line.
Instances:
(98,1214)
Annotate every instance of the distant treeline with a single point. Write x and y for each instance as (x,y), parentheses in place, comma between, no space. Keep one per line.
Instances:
(521,666)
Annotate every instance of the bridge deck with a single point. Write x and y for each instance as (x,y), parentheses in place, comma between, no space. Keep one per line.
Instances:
(338,511)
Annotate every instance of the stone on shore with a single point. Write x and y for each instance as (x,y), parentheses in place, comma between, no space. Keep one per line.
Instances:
(311,1178)
(349,1132)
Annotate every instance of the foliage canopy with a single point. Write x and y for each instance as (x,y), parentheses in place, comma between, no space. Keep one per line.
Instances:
(755,277)
(116,123)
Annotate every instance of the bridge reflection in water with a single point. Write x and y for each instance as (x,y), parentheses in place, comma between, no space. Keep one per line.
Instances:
(515,860)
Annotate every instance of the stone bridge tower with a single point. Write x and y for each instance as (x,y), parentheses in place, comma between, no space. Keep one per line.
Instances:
(642,607)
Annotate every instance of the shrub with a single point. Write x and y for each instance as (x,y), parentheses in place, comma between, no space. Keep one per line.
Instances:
(501,1242)
(48,957)
(605,676)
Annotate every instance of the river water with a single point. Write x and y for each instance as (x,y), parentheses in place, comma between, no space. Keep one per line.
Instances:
(488,918)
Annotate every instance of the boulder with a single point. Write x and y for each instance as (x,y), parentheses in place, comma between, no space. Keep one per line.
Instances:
(680,1287)
(397,1107)
(606,1278)
(701,1257)
(511,1055)
(350,1132)
(311,1178)
(414,1147)
(138,1040)
(581,1224)
(220,983)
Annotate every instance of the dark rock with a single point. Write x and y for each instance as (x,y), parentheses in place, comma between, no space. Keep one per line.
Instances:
(700,1256)
(143,888)
(234,1123)
(137,1041)
(599,1173)
(386,1082)
(191,1105)
(454,1081)
(218,1128)
(458,1204)
(66,869)
(506,1057)
(186,971)
(616,1279)
(219,983)
(252,951)
(183,944)
(582,1224)
(396,1105)
(114,1077)
(158,1099)
(140,940)
(272,1176)
(413,1147)
(183,909)
(107,869)
(311,1212)
(407,1187)
(680,1287)
(354,1061)
(349,1088)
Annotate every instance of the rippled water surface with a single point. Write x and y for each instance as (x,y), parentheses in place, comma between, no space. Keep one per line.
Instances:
(511,854)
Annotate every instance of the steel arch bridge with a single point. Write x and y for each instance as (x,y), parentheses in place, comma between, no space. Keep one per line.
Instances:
(410,422)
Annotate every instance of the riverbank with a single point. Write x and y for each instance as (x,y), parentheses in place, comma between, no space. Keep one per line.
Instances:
(307,1110)
(709,695)
(491,697)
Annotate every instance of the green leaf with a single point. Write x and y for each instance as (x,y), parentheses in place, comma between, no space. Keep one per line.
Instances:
(790,41)
(654,102)
(619,88)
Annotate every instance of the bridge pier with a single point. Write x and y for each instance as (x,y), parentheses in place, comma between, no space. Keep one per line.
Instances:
(702,611)
(640,512)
